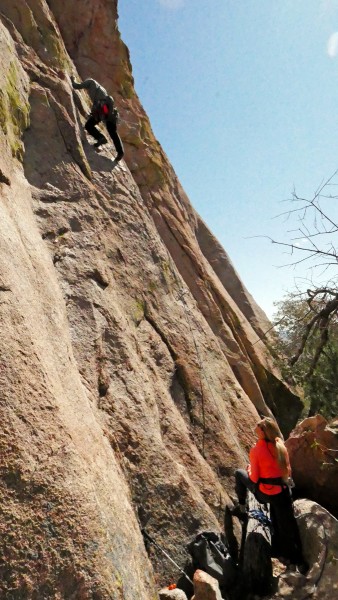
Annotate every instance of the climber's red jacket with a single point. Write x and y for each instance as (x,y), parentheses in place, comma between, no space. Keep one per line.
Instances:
(263,463)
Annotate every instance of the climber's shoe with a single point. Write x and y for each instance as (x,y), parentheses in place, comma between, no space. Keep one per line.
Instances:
(100,142)
(239,511)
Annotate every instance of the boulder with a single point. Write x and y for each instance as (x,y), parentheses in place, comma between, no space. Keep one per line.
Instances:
(205,587)
(319,533)
(175,594)
(313,449)
(257,565)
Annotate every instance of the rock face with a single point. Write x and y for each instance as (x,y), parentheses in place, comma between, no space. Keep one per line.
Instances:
(130,370)
(313,449)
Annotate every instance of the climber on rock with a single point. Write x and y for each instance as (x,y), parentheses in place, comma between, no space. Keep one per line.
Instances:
(103,109)
(268,477)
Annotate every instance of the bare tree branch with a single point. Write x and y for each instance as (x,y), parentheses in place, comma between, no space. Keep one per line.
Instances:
(318,231)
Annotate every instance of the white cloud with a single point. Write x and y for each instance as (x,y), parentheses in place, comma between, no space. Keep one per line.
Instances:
(332,45)
(172,4)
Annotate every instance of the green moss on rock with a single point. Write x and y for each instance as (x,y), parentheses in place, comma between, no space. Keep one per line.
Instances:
(14,111)
(127,90)
(54,48)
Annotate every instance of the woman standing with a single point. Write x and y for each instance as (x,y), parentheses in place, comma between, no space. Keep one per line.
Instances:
(268,477)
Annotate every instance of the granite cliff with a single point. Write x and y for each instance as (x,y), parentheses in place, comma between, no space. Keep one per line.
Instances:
(131,368)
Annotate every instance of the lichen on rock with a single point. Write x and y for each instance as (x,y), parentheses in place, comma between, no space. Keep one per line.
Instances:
(14,105)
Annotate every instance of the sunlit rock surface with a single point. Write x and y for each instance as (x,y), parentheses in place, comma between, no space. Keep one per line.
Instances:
(131,368)
(313,449)
(319,533)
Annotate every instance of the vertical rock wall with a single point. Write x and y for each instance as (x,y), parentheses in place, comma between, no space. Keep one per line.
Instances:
(130,370)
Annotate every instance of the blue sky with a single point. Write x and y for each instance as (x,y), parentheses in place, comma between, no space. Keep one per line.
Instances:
(243,97)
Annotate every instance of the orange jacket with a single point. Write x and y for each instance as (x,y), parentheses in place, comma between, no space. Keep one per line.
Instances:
(263,463)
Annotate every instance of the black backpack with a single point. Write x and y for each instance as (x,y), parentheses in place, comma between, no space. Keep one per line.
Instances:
(210,554)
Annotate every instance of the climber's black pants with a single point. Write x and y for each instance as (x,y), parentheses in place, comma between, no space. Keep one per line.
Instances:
(112,130)
(286,539)
(90,126)
(244,483)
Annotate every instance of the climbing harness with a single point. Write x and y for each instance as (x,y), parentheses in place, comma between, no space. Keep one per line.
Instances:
(101,111)
(152,541)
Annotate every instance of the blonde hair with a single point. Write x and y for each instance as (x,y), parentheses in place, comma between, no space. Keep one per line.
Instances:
(273,434)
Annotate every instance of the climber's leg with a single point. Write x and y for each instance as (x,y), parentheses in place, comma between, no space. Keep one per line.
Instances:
(116,139)
(90,126)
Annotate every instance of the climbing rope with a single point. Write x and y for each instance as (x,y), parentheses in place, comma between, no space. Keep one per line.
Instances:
(262,518)
(202,370)
(202,373)
(148,538)
(186,309)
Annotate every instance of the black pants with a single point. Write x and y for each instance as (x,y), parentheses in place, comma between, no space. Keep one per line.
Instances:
(286,539)
(90,126)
